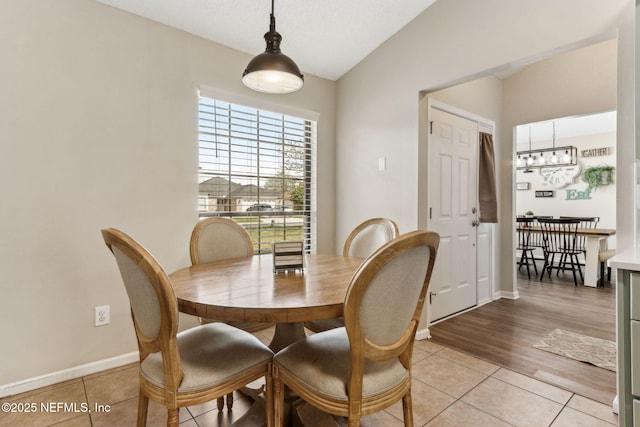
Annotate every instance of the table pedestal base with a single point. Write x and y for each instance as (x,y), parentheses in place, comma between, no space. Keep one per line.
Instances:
(285,334)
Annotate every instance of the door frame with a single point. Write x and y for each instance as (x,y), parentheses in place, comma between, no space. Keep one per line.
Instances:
(488,292)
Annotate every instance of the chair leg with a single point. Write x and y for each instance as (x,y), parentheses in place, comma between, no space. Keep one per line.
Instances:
(573,270)
(546,263)
(143,406)
(526,259)
(172,417)
(601,283)
(561,264)
(269,395)
(354,420)
(407,409)
(533,261)
(553,258)
(579,269)
(229,401)
(278,398)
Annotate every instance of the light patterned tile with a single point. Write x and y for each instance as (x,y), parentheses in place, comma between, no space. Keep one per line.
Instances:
(240,405)
(46,406)
(462,414)
(512,404)
(80,421)
(125,413)
(534,386)
(427,403)
(428,346)
(469,361)
(113,387)
(447,376)
(571,418)
(378,419)
(245,414)
(593,408)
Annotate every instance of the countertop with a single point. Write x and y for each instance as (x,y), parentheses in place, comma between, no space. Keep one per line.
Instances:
(626,260)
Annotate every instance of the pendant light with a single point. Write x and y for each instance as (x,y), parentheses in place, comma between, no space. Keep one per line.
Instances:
(530,160)
(554,158)
(272,71)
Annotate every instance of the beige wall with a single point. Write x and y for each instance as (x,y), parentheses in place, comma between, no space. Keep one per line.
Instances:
(377,100)
(98,128)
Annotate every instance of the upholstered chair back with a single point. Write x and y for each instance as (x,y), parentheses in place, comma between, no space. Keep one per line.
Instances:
(386,296)
(369,236)
(214,239)
(154,307)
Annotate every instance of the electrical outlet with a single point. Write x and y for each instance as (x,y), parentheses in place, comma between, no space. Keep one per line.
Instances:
(102,315)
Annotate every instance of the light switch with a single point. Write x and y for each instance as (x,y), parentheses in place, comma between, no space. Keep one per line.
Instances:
(382,163)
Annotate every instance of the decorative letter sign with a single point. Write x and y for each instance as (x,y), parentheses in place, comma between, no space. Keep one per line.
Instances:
(596,152)
(578,195)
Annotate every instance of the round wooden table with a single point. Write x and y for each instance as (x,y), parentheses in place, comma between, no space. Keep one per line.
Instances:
(247,290)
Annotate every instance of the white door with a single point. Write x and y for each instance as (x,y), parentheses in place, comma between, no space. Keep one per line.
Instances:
(453,152)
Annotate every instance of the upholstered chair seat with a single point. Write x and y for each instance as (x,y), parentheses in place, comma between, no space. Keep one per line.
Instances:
(211,354)
(321,362)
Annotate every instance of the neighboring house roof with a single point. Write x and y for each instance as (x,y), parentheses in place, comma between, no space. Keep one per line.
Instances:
(218,187)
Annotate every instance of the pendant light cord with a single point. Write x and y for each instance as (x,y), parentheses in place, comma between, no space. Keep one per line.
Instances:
(272,21)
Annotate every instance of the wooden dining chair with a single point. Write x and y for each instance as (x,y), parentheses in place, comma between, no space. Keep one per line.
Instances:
(590,222)
(365,366)
(187,368)
(560,238)
(361,242)
(215,239)
(525,245)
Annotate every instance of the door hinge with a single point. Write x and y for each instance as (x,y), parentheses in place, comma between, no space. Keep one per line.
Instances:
(430,213)
(431,127)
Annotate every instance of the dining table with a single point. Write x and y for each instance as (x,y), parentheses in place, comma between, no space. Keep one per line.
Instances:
(596,242)
(249,290)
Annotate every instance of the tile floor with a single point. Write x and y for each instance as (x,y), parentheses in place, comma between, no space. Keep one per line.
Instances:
(450,389)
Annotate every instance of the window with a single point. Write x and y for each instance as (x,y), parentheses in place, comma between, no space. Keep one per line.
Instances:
(255,167)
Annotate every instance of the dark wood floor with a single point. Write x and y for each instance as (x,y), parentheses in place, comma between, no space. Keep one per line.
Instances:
(504,331)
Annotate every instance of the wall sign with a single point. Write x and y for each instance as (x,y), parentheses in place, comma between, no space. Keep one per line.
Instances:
(547,193)
(522,185)
(578,195)
(596,152)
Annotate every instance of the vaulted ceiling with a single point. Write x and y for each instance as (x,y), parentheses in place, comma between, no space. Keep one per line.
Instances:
(325,38)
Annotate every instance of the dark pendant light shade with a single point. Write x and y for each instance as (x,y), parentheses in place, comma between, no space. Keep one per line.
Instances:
(272,71)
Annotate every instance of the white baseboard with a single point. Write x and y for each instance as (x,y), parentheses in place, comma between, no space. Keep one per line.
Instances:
(506,294)
(484,301)
(67,374)
(423,334)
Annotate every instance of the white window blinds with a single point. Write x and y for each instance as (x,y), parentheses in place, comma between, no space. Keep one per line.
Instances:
(255,167)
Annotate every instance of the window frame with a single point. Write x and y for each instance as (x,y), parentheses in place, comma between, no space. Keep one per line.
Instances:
(308,174)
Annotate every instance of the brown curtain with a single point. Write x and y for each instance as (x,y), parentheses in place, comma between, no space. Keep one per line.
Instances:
(487,180)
